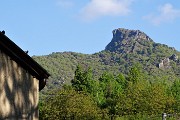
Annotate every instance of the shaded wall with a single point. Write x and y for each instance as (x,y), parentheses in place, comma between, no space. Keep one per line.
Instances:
(18,91)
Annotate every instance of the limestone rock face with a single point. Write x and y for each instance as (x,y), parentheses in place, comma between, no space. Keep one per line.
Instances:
(125,41)
(130,43)
(164,63)
(125,34)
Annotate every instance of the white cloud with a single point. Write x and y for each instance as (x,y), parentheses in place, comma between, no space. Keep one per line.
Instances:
(166,14)
(98,8)
(65,3)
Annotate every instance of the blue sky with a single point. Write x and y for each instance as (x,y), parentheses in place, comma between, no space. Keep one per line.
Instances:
(85,26)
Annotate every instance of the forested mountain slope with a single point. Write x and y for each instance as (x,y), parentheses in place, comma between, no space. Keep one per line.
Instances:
(127,47)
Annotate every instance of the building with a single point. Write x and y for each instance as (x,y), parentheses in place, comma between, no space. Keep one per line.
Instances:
(21,79)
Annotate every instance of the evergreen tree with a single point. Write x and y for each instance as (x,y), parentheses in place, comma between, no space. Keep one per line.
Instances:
(83,80)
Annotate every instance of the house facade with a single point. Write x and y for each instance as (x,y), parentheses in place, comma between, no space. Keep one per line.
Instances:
(21,79)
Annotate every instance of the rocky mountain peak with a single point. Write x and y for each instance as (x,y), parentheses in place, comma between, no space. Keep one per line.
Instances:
(125,40)
(126,34)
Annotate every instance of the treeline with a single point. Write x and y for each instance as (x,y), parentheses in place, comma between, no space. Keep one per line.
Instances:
(117,97)
(61,65)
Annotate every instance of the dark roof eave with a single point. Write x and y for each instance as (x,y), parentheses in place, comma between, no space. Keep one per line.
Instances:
(18,55)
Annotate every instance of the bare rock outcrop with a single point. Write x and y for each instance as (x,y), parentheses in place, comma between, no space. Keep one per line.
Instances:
(165,63)
(126,41)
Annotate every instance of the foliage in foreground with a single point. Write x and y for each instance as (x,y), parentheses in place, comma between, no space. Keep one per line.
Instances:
(131,97)
(69,104)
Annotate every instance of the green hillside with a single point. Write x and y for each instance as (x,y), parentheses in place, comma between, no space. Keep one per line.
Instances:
(127,47)
(133,78)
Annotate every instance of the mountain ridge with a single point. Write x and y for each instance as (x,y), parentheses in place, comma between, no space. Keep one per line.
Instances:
(126,48)
(132,39)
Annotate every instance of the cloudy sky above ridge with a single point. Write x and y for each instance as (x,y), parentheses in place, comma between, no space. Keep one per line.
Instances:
(43,27)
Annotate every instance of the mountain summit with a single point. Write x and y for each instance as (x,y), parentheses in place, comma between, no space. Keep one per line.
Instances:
(126,41)
(127,48)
